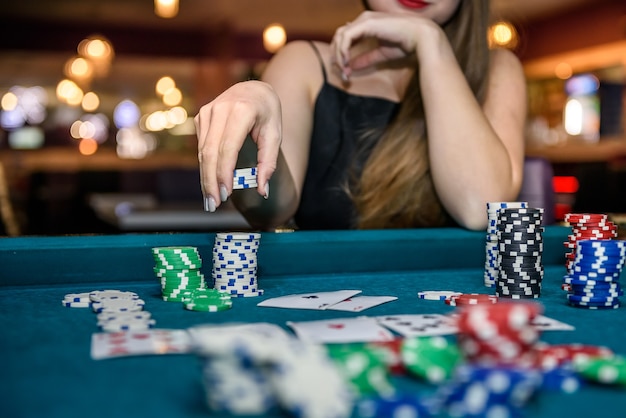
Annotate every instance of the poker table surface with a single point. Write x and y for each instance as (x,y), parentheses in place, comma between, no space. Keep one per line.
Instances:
(47,370)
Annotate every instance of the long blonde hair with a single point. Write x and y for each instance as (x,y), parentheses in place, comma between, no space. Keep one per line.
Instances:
(395,189)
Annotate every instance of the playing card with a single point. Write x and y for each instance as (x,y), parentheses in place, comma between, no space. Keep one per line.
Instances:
(317,301)
(419,325)
(343,330)
(134,343)
(543,323)
(360,303)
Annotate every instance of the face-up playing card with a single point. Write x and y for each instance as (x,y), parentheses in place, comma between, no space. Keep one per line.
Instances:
(419,325)
(343,330)
(135,343)
(360,303)
(317,301)
(543,323)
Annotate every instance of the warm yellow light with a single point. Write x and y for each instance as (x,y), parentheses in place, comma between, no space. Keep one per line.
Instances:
(96,47)
(172,97)
(166,8)
(563,71)
(79,68)
(274,37)
(503,34)
(67,91)
(164,84)
(9,101)
(87,146)
(75,129)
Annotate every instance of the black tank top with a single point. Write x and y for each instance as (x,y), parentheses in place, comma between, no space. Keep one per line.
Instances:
(338,153)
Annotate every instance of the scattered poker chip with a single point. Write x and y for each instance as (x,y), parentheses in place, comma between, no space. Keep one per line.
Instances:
(437,294)
(471,299)
(76,300)
(207,300)
(99,295)
(433,359)
(611,370)
(118,305)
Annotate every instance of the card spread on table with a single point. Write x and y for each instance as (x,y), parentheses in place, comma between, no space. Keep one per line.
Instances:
(419,325)
(341,330)
(316,300)
(135,343)
(360,303)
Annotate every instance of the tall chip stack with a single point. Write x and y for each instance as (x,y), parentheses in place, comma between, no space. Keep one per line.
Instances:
(178,269)
(491,248)
(235,263)
(520,249)
(595,263)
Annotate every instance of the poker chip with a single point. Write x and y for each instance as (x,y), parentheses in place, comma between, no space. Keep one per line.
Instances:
(178,269)
(492,247)
(611,370)
(76,300)
(499,334)
(363,367)
(560,355)
(118,305)
(465,299)
(437,294)
(595,263)
(235,268)
(207,300)
(245,178)
(433,359)
(100,295)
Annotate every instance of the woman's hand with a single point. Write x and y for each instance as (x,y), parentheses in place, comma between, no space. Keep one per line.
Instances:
(250,107)
(397,35)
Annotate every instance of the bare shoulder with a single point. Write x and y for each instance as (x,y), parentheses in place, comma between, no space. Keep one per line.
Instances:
(505,63)
(296,56)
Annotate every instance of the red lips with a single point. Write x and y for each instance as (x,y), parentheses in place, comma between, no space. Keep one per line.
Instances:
(413,4)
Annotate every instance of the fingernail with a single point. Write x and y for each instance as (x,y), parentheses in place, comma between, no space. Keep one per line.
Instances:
(344,77)
(209,204)
(267,190)
(223,193)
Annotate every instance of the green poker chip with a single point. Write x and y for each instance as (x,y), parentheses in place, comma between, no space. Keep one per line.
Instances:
(605,370)
(432,358)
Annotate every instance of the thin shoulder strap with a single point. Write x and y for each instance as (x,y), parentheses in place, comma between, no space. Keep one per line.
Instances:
(319,57)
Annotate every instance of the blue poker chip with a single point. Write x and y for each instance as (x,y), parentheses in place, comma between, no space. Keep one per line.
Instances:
(582,300)
(561,379)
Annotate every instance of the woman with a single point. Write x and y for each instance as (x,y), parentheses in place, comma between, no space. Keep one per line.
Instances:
(405,120)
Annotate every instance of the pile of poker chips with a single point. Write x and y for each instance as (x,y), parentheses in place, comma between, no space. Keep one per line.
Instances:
(235,263)
(116,310)
(586,226)
(207,300)
(178,269)
(593,280)
(251,370)
(520,249)
(244,178)
(500,334)
(492,247)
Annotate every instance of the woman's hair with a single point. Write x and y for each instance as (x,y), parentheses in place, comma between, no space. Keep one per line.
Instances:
(395,189)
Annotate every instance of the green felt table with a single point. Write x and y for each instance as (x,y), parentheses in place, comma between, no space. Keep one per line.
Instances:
(47,370)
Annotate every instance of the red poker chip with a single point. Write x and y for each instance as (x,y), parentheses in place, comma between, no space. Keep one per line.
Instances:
(552,356)
(584,217)
(471,299)
(391,353)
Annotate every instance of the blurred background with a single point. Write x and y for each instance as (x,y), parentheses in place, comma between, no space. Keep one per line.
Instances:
(98,96)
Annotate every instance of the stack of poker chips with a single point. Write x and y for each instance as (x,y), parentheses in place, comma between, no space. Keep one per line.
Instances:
(499,334)
(586,226)
(235,263)
(207,300)
(244,178)
(520,248)
(593,281)
(116,310)
(178,269)
(491,248)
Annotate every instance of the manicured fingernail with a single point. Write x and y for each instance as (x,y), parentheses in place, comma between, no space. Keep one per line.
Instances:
(223,193)
(344,77)
(267,190)
(209,204)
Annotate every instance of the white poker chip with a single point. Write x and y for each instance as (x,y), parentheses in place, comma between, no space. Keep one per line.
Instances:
(99,295)
(75,304)
(437,294)
(77,297)
(118,305)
